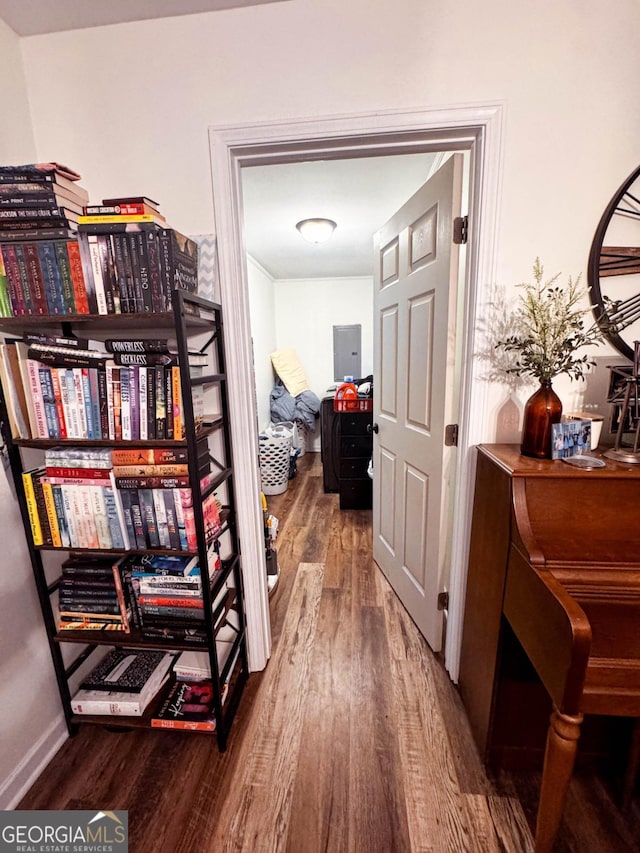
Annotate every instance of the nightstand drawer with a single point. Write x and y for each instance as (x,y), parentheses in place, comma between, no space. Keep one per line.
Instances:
(355,445)
(356,494)
(354,467)
(355,423)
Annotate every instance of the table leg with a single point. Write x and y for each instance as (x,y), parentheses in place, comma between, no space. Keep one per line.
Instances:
(559,758)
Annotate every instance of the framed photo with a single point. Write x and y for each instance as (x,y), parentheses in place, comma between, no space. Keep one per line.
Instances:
(570,438)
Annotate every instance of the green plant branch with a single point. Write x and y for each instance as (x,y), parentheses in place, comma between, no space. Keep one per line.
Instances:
(548,329)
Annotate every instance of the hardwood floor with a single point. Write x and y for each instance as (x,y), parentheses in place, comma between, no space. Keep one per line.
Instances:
(353,740)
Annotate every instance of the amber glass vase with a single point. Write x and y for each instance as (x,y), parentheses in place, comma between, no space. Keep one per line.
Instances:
(541,410)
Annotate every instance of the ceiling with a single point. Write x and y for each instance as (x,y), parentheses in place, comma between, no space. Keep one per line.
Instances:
(35,17)
(360,195)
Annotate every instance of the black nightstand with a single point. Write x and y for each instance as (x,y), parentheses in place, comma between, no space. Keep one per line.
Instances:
(356,447)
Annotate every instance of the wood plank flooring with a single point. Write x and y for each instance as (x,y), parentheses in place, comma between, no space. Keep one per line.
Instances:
(353,740)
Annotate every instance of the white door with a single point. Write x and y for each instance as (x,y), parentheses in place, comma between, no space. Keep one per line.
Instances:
(415,286)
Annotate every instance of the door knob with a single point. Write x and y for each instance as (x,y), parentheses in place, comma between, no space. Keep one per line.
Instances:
(373,428)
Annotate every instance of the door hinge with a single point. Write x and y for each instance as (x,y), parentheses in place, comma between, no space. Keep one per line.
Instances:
(460,229)
(443,601)
(451,435)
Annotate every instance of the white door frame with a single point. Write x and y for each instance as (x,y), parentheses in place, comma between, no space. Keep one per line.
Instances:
(478,128)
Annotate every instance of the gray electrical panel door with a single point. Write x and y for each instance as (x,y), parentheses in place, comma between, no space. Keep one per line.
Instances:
(346,352)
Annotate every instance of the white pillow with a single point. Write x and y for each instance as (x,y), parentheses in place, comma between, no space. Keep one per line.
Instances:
(286,365)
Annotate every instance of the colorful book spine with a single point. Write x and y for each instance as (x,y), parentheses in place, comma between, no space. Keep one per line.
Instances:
(151,403)
(169,469)
(77,277)
(64,267)
(161,412)
(50,507)
(112,295)
(121,273)
(149,517)
(138,521)
(32,508)
(125,521)
(51,277)
(168,402)
(103,401)
(132,251)
(5,302)
(36,278)
(100,517)
(142,409)
(161,518)
(115,527)
(125,404)
(78,400)
(63,527)
(123,596)
(178,419)
(48,402)
(172,524)
(149,456)
(24,278)
(96,271)
(86,403)
(155,271)
(186,500)
(117,404)
(94,401)
(152,482)
(57,398)
(69,405)
(14,280)
(33,370)
(134,401)
(180,520)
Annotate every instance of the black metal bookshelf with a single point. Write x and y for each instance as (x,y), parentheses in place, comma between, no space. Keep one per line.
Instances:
(191,315)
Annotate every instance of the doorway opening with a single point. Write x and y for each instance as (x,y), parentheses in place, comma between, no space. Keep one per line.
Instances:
(320,302)
(476,130)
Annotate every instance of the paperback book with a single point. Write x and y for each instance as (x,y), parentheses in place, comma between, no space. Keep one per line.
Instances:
(188,706)
(124,670)
(102,702)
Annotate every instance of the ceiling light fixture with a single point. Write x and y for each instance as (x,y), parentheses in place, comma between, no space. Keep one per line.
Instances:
(316,230)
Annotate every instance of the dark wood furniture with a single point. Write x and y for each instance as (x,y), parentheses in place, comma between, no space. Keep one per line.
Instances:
(356,447)
(555,558)
(330,445)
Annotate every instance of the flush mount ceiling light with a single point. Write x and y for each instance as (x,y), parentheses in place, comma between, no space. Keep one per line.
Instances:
(316,230)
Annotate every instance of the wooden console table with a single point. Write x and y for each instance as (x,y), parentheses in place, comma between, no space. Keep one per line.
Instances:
(555,556)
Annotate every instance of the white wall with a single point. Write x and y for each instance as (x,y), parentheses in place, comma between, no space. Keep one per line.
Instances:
(263,334)
(32,722)
(129,105)
(306,312)
(16,139)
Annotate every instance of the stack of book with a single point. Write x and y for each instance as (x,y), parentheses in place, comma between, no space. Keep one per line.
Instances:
(91,597)
(60,387)
(123,683)
(156,498)
(132,260)
(72,501)
(188,702)
(41,271)
(166,594)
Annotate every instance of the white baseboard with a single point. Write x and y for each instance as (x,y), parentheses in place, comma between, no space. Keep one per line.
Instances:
(13,789)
